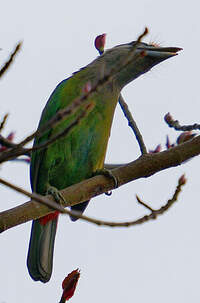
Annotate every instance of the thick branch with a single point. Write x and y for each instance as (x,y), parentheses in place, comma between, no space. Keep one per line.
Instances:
(144,166)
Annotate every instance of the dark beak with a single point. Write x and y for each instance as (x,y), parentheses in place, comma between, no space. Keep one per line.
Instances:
(160,52)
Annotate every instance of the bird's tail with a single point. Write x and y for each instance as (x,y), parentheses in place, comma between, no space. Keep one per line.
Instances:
(41,247)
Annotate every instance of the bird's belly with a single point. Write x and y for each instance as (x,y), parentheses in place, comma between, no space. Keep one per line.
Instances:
(77,157)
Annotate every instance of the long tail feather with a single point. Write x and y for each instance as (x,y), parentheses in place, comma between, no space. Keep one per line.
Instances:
(41,248)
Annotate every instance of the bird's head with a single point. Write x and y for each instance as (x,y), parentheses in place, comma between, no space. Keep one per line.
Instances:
(128,61)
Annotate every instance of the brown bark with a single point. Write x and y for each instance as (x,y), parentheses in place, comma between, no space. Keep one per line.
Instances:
(144,166)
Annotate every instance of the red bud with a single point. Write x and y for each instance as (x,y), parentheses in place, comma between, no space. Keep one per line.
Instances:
(100,43)
(28,160)
(10,137)
(168,118)
(169,144)
(185,136)
(182,180)
(156,150)
(69,285)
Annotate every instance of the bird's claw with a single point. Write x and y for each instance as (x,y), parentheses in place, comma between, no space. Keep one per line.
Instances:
(108,193)
(51,190)
(108,173)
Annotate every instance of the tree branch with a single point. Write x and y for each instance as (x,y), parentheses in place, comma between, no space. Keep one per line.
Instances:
(10,60)
(143,167)
(155,212)
(152,216)
(132,124)
(176,125)
(3,122)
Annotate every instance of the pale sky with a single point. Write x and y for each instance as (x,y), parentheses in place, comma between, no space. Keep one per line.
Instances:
(155,262)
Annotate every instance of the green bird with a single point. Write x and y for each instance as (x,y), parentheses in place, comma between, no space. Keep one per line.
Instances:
(79,154)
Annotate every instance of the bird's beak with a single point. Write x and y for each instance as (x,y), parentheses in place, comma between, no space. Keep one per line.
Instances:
(144,57)
(160,52)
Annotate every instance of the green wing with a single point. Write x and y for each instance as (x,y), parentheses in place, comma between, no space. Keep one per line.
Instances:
(52,107)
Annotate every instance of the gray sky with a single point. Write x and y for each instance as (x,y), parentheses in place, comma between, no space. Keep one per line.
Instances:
(157,261)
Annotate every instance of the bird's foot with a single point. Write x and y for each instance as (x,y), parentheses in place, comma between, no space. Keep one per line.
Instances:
(108,173)
(51,190)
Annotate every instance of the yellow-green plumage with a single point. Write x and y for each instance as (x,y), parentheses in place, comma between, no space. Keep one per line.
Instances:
(81,153)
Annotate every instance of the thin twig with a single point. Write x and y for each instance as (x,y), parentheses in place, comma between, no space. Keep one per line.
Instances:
(176,125)
(63,132)
(43,200)
(27,151)
(35,196)
(10,60)
(144,204)
(132,124)
(55,206)
(18,149)
(22,151)
(7,143)
(3,122)
(160,211)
